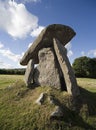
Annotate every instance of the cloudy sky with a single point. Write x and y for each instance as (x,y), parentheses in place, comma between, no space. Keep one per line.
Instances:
(22,20)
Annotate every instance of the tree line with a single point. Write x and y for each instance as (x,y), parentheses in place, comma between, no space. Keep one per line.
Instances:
(12,71)
(85,67)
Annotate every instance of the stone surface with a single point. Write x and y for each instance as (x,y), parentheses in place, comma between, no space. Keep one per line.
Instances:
(29,73)
(63,33)
(68,73)
(47,73)
(41,98)
(52,100)
(57,113)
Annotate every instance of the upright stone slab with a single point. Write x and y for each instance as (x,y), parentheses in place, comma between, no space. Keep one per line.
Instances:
(68,73)
(29,73)
(47,74)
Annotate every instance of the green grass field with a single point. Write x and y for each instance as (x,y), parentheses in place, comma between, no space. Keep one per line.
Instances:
(18,110)
(9,80)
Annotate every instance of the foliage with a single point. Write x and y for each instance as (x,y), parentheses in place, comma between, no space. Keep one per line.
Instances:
(85,67)
(12,71)
(18,110)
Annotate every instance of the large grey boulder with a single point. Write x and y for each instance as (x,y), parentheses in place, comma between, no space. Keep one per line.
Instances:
(65,65)
(47,72)
(61,32)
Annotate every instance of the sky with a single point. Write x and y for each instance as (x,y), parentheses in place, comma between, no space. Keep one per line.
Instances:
(21,21)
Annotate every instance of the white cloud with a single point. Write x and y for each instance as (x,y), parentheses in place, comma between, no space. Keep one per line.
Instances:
(7,53)
(35,1)
(16,20)
(92,52)
(69,49)
(83,53)
(5,65)
(10,55)
(28,1)
(69,53)
(37,31)
(1,45)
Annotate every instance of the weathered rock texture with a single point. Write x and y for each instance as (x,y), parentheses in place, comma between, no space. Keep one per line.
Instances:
(47,73)
(68,73)
(53,68)
(29,73)
(63,33)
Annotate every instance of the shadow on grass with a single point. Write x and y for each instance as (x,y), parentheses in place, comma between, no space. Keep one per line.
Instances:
(89,98)
(73,116)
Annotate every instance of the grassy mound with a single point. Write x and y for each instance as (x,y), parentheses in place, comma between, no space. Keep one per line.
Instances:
(18,110)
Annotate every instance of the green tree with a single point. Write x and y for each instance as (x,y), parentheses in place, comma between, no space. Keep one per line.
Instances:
(85,67)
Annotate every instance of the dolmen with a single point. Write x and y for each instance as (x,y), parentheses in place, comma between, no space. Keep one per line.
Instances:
(49,52)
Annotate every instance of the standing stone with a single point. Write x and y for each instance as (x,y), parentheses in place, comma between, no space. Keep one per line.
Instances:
(47,73)
(68,73)
(29,73)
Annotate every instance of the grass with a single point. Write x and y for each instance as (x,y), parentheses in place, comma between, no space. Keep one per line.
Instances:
(87,83)
(9,80)
(18,110)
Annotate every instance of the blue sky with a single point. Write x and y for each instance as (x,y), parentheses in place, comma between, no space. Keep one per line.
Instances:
(22,20)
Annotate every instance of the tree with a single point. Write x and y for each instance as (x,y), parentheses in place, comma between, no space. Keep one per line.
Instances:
(85,67)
